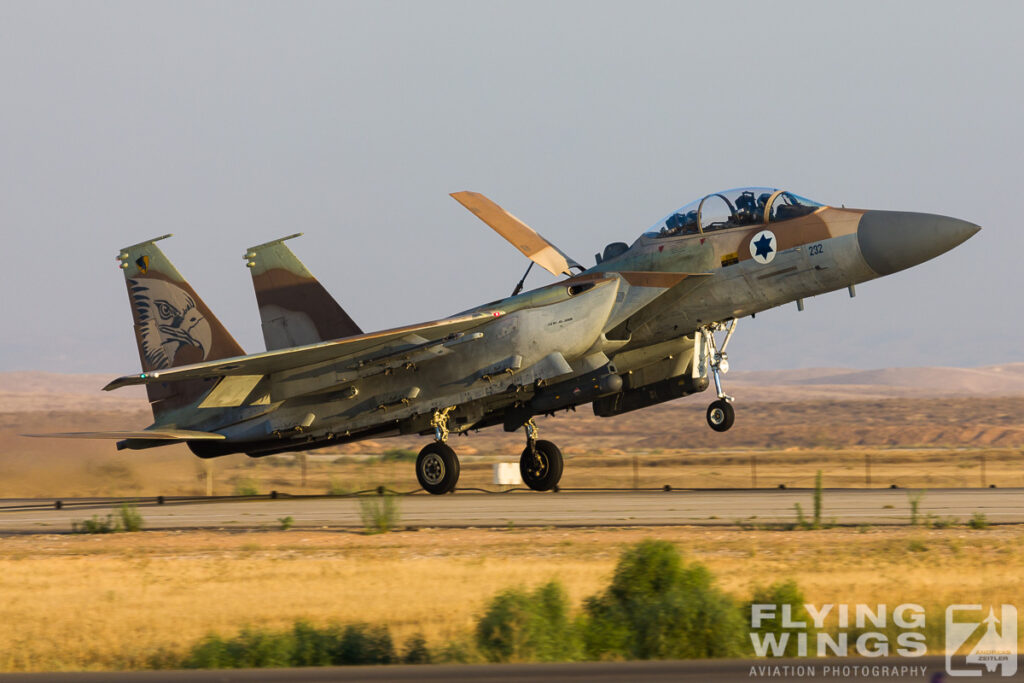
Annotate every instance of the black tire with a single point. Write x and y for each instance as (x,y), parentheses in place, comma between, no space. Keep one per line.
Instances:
(437,468)
(721,415)
(541,466)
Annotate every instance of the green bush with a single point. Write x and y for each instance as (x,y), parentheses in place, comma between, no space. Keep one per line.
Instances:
(915,506)
(416,651)
(252,648)
(939,522)
(312,645)
(131,520)
(304,645)
(286,522)
(801,520)
(96,525)
(458,651)
(657,607)
(778,594)
(529,627)
(379,513)
(978,521)
(364,644)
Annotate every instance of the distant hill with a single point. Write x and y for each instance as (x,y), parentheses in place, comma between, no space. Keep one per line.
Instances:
(24,391)
(843,383)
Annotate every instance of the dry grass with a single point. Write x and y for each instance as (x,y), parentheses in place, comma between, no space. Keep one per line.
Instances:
(108,602)
(100,602)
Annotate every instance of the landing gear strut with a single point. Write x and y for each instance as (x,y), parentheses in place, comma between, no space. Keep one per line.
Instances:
(541,462)
(437,467)
(721,414)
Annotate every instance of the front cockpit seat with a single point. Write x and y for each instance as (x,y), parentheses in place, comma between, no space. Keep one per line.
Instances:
(675,223)
(746,209)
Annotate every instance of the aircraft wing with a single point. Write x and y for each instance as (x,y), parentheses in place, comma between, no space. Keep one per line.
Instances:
(288,359)
(152,434)
(519,234)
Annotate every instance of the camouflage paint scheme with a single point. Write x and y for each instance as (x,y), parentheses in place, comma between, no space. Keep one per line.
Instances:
(634,330)
(295,309)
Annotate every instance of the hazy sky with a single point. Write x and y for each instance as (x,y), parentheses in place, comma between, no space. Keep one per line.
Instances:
(230,124)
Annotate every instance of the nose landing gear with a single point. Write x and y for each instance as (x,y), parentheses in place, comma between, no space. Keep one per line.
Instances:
(721,414)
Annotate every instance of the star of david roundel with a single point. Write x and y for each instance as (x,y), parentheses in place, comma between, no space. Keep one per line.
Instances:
(763,246)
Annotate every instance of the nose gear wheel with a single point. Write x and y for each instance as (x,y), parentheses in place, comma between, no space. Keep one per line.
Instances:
(721,415)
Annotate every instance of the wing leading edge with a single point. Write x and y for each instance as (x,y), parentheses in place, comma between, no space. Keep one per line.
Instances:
(290,359)
(149,434)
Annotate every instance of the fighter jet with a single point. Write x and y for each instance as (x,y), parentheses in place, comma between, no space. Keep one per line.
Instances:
(648,323)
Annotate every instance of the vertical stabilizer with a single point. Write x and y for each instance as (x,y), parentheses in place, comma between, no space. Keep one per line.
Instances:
(173,326)
(295,309)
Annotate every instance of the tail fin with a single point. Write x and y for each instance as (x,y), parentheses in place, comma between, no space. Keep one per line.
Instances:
(173,326)
(295,309)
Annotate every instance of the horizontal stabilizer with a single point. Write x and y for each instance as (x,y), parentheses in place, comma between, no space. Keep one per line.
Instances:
(519,234)
(151,434)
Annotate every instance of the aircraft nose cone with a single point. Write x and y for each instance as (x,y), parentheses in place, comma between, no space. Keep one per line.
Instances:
(895,240)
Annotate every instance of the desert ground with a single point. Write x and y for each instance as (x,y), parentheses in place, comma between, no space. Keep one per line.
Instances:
(113,600)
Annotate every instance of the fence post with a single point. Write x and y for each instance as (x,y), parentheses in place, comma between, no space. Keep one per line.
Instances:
(209,477)
(636,472)
(753,471)
(867,470)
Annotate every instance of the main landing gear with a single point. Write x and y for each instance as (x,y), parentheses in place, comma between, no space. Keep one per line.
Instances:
(437,466)
(541,462)
(721,414)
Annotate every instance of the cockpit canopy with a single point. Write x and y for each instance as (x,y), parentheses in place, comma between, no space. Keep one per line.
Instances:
(743,206)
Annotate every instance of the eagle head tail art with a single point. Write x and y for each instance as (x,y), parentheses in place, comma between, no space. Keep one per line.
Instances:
(173,326)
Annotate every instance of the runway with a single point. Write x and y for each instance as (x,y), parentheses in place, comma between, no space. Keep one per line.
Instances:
(930,668)
(563,509)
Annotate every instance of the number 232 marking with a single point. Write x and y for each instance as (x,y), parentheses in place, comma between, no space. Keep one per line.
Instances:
(815,250)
